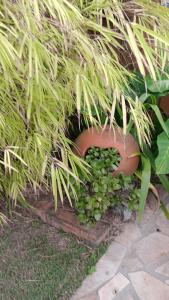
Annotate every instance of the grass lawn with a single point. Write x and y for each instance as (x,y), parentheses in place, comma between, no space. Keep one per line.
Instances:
(38,262)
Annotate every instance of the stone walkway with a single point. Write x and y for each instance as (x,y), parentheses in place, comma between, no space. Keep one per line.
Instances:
(136,265)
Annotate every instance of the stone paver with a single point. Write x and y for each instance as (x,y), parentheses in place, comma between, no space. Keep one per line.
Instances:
(164,269)
(136,265)
(125,295)
(129,235)
(148,287)
(112,288)
(131,264)
(152,247)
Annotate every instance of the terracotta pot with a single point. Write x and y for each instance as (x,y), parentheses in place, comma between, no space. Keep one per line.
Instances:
(111,138)
(164,104)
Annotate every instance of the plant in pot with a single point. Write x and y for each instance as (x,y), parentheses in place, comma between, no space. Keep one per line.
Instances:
(112,158)
(110,137)
(101,190)
(107,137)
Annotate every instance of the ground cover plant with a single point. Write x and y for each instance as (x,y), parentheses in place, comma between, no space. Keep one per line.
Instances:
(59,58)
(101,190)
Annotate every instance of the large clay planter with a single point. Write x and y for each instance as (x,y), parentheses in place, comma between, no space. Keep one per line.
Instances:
(164,104)
(111,138)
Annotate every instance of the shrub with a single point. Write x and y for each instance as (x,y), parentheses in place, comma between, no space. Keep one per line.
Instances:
(58,57)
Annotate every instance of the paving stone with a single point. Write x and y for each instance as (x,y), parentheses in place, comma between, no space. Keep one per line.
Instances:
(115,251)
(130,234)
(131,264)
(163,223)
(152,247)
(124,295)
(148,287)
(106,268)
(112,288)
(127,297)
(164,269)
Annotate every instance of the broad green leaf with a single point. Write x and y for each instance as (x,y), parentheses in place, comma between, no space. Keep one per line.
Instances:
(162,160)
(164,181)
(163,178)
(145,183)
(159,86)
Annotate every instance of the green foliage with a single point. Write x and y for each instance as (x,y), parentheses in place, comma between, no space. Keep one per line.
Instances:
(159,87)
(133,201)
(149,92)
(160,141)
(163,178)
(162,167)
(58,57)
(102,190)
(145,183)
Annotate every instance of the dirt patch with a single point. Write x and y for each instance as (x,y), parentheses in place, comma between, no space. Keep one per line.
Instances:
(23,229)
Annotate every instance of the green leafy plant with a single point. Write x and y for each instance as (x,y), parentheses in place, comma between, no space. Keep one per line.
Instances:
(148,90)
(163,151)
(155,90)
(58,58)
(155,155)
(101,190)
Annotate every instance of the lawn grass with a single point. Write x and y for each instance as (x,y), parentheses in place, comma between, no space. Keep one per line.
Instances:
(37,262)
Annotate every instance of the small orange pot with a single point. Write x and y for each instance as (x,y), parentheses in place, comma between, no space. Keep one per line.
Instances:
(164,104)
(111,138)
